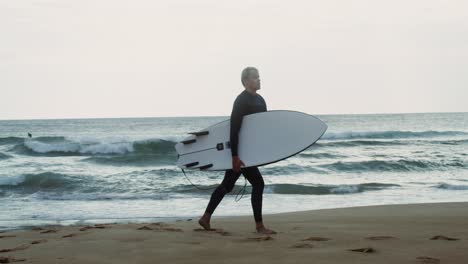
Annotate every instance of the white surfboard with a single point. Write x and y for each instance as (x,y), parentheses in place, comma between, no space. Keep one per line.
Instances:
(264,138)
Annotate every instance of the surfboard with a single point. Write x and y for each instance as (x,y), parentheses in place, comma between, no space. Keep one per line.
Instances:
(264,138)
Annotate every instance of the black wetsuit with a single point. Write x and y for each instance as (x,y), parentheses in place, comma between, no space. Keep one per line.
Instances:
(245,104)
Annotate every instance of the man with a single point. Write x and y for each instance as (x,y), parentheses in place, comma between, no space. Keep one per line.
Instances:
(247,102)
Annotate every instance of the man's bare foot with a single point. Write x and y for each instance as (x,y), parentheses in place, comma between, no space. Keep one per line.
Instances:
(264,230)
(204,221)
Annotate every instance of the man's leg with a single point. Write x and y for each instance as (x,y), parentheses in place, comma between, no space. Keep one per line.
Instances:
(230,178)
(255,178)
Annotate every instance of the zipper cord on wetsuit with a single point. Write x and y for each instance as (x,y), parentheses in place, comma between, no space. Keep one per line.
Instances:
(207,189)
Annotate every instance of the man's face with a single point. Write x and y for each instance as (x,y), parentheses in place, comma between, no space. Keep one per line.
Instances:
(253,81)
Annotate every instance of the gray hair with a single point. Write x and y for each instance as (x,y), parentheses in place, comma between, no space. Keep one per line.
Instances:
(246,73)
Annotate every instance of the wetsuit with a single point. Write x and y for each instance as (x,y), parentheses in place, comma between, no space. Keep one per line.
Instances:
(245,104)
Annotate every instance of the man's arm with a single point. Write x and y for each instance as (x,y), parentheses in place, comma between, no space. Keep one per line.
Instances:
(236,121)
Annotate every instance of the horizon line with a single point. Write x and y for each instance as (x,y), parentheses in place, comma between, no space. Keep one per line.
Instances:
(142,117)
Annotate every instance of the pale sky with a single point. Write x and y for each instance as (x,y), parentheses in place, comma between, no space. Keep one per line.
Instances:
(113,58)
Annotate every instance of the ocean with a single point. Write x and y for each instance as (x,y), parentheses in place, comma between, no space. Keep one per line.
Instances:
(79,171)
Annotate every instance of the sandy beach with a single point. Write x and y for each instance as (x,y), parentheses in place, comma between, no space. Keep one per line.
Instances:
(409,233)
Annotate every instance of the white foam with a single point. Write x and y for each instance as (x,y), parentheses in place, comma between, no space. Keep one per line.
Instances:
(345,189)
(342,135)
(91,145)
(50,147)
(108,148)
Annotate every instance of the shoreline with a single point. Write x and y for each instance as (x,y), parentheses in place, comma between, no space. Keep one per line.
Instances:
(172,219)
(397,233)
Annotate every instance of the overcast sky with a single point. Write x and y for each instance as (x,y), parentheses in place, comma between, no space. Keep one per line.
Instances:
(113,58)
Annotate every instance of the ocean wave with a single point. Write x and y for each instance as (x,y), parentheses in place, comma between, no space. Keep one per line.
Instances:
(30,183)
(60,146)
(59,186)
(453,142)
(391,134)
(135,159)
(318,189)
(388,142)
(328,189)
(4,156)
(97,196)
(356,143)
(289,169)
(447,186)
(10,140)
(320,155)
(141,153)
(391,165)
(19,140)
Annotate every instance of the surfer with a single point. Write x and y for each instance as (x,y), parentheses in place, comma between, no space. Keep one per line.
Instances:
(247,102)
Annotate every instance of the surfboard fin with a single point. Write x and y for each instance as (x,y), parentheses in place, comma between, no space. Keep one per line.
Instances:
(206,166)
(189,141)
(188,165)
(200,133)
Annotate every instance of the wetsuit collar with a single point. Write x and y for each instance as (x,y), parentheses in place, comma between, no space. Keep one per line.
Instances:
(245,91)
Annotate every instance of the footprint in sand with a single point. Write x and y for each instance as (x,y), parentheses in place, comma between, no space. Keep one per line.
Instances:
(38,241)
(49,231)
(380,237)
(217,231)
(86,228)
(160,227)
(102,226)
(145,228)
(7,236)
(429,260)
(10,260)
(302,245)
(443,238)
(69,235)
(363,250)
(21,247)
(259,239)
(316,239)
(308,245)
(204,230)
(98,226)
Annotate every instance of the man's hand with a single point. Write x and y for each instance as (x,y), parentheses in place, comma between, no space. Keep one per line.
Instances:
(236,163)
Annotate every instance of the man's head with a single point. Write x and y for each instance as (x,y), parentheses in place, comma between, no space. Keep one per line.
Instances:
(250,79)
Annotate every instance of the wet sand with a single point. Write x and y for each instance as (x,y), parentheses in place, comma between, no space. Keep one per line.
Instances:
(411,233)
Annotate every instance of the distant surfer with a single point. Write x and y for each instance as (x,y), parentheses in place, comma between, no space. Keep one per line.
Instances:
(29,135)
(247,102)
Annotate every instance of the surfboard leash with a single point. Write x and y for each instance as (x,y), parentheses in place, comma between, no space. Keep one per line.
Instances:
(203,189)
(243,191)
(208,189)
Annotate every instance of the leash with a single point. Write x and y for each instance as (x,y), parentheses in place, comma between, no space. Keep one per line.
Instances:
(208,189)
